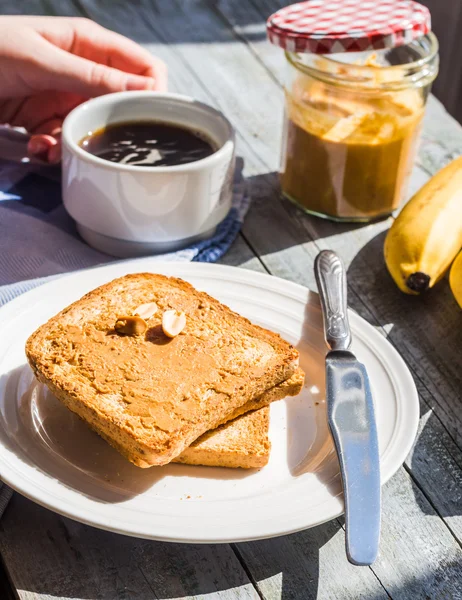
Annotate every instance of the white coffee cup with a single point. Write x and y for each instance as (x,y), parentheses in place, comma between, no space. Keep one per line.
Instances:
(128,210)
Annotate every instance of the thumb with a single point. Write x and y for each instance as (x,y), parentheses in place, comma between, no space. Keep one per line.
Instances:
(67,72)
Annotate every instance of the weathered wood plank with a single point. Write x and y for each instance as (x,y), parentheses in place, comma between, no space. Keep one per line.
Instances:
(446,23)
(310,565)
(27,7)
(410,566)
(6,589)
(419,558)
(241,255)
(70,560)
(435,463)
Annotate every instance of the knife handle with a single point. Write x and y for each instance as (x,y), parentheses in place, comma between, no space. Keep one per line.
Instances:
(331,279)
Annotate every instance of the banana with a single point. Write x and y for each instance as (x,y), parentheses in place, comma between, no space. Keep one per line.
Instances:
(455,279)
(427,234)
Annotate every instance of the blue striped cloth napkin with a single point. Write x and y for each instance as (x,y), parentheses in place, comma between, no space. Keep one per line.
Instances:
(38,240)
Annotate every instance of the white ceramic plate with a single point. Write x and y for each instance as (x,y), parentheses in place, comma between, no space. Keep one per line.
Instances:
(49,455)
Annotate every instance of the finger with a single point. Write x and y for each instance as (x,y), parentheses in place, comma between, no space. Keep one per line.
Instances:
(54,153)
(46,148)
(50,128)
(38,110)
(87,39)
(159,72)
(39,146)
(66,72)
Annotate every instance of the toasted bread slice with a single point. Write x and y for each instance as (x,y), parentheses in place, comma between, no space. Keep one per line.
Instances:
(290,387)
(148,395)
(242,442)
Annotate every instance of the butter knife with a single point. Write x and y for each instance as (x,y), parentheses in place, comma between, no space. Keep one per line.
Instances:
(350,414)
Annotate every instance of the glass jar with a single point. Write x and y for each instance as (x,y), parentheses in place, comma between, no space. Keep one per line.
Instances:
(352,122)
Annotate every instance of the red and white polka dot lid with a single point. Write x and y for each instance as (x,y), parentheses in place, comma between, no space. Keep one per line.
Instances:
(329,26)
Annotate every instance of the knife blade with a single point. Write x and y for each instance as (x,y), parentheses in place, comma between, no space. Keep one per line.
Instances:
(350,415)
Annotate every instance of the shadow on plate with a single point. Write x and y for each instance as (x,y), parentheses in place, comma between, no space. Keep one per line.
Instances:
(49,437)
(310,447)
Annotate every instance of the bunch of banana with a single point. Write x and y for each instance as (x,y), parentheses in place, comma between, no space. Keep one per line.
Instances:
(427,235)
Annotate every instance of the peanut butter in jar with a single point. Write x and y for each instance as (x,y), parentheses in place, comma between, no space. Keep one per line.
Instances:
(352,122)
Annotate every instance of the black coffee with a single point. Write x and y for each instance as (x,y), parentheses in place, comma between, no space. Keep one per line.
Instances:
(148,144)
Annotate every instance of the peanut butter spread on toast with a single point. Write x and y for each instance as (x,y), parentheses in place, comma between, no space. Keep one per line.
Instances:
(148,394)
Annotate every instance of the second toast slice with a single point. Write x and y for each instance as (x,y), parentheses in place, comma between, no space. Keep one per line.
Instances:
(242,442)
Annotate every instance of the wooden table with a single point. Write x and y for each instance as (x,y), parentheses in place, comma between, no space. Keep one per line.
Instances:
(216,51)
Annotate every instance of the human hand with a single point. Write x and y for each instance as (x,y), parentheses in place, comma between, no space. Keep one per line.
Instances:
(49,65)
